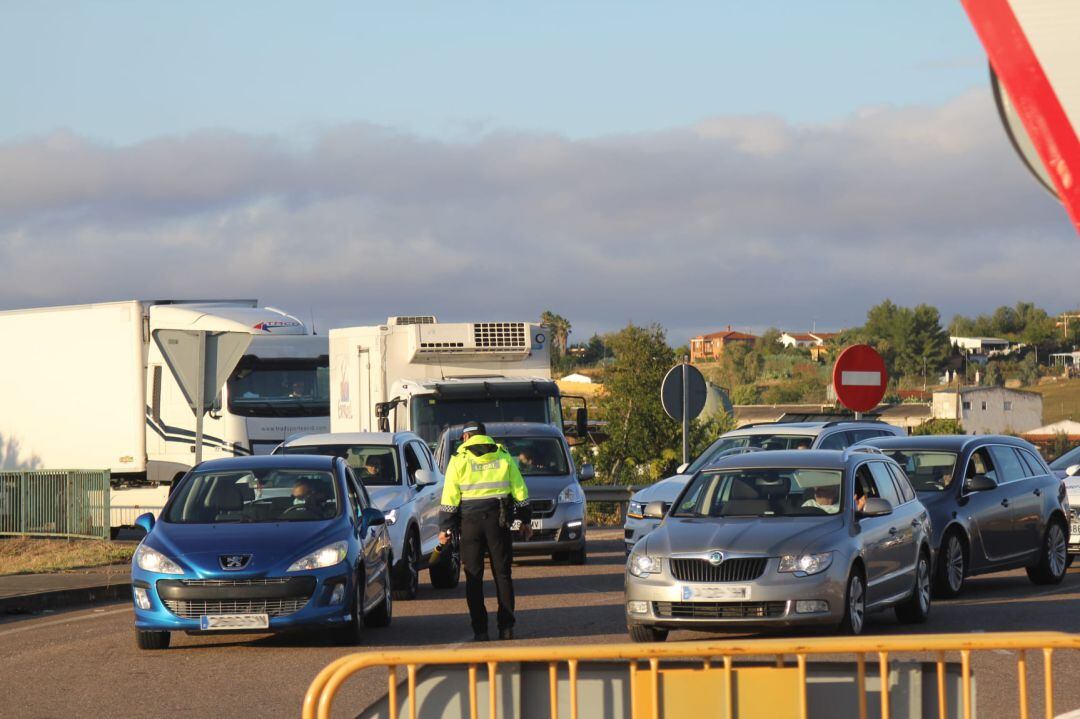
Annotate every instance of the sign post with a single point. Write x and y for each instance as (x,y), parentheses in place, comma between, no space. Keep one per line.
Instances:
(683,394)
(859,378)
(201,361)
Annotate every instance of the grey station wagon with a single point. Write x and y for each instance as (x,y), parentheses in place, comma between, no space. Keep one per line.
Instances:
(781,539)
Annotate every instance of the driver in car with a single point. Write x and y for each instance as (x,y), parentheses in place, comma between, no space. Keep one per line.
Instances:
(310,496)
(825,498)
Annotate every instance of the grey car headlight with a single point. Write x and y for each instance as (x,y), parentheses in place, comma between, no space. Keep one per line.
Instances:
(151,560)
(805,564)
(571,494)
(328,556)
(636,509)
(642,565)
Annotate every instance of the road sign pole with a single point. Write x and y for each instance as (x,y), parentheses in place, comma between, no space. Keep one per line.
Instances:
(200,407)
(685,411)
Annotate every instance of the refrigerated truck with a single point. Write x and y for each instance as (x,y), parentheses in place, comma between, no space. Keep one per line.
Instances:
(86,387)
(415,374)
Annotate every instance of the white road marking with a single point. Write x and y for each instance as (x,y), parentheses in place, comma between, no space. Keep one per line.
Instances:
(30,627)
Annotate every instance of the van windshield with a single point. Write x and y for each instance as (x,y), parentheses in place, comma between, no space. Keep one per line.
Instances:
(536,456)
(431,415)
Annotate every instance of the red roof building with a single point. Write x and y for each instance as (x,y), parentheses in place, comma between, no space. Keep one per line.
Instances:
(710,347)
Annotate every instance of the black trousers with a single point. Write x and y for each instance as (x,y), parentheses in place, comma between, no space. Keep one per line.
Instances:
(480,534)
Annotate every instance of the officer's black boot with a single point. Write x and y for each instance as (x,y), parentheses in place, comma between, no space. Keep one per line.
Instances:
(506,633)
(483,636)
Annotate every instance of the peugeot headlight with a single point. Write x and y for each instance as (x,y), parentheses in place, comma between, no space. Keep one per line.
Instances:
(642,565)
(571,494)
(805,564)
(636,509)
(151,560)
(328,556)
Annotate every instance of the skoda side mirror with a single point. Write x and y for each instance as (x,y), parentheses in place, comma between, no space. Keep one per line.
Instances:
(875,507)
(586,473)
(980,483)
(654,510)
(424,478)
(145,522)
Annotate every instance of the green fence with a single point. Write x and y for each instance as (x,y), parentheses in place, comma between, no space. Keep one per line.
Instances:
(55,503)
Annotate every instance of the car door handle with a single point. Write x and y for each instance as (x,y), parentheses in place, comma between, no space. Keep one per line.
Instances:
(1004,503)
(892,530)
(1038,492)
(915,523)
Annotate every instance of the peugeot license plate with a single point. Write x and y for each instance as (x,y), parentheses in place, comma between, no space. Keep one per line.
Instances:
(209,622)
(719,592)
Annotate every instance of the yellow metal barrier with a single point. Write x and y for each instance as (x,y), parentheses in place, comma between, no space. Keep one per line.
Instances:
(783,683)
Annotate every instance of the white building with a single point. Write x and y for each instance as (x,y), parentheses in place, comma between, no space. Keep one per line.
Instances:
(990,410)
(579,378)
(979,345)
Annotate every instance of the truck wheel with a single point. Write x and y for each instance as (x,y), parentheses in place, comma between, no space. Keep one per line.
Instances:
(645,633)
(152,640)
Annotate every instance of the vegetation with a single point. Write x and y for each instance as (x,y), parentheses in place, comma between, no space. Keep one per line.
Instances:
(939,426)
(20,555)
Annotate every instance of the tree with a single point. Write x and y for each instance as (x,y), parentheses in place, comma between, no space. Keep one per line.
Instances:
(910,340)
(559,327)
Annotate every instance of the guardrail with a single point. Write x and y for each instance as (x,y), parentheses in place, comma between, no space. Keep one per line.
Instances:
(710,680)
(618,494)
(55,503)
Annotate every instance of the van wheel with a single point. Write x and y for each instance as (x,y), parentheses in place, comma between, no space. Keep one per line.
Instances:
(579,556)
(152,640)
(854,604)
(951,566)
(408,585)
(1053,558)
(645,633)
(917,608)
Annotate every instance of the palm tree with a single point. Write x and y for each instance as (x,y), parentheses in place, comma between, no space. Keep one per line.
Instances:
(559,327)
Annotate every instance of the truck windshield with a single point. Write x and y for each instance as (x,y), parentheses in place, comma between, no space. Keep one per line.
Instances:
(280,388)
(431,415)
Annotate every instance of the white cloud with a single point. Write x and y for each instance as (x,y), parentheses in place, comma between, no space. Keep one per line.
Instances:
(743,220)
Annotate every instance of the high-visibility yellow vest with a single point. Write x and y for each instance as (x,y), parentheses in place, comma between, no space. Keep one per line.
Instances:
(488,476)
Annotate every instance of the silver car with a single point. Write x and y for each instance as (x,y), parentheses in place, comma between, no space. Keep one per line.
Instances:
(765,436)
(818,537)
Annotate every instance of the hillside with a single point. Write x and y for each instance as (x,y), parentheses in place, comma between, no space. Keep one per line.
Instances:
(1061,399)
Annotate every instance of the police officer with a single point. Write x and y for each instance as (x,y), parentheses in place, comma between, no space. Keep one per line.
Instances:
(483,493)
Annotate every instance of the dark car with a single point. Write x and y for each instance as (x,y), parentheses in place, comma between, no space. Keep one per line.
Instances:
(994,505)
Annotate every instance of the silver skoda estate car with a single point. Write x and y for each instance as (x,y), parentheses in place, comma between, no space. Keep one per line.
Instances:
(782,539)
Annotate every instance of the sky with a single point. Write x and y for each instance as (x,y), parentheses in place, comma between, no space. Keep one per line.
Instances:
(696,164)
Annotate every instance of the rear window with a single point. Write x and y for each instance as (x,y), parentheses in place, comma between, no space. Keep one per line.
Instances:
(928,471)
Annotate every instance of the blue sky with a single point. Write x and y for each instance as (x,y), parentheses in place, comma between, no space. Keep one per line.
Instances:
(696,164)
(122,71)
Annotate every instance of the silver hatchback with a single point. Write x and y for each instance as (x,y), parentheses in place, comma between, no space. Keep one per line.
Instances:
(810,537)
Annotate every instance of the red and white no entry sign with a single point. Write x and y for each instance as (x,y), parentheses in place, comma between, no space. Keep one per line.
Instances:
(859,378)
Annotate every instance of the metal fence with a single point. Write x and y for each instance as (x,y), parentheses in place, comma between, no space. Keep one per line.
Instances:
(55,503)
(125,515)
(717,683)
(616,496)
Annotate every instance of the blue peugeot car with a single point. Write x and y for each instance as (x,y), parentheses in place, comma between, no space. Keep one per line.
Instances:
(263,544)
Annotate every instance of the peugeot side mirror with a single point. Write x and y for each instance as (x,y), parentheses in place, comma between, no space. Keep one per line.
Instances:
(1072,470)
(654,510)
(586,473)
(979,483)
(145,522)
(876,507)
(424,478)
(682,468)
(371,517)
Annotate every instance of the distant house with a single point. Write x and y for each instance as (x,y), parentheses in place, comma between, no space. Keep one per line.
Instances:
(813,341)
(979,345)
(706,348)
(990,410)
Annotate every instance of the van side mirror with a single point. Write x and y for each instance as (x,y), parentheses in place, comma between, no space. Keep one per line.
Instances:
(875,507)
(586,473)
(979,483)
(654,510)
(424,478)
(581,421)
(145,522)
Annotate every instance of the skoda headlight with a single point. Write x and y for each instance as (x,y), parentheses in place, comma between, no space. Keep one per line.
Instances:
(805,564)
(328,556)
(151,560)
(636,509)
(642,565)
(571,494)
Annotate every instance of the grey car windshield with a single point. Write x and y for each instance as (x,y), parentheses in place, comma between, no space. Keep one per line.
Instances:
(536,456)
(255,495)
(763,492)
(376,465)
(756,441)
(929,471)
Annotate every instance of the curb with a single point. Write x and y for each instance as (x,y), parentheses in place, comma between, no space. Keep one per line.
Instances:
(63,598)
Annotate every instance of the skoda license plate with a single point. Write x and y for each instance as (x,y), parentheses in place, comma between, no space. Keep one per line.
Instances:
(719,592)
(209,622)
(1074,532)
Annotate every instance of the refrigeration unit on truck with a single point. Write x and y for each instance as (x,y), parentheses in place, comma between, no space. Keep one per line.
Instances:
(86,387)
(414,374)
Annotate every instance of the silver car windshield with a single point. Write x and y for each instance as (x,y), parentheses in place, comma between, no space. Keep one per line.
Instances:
(376,465)
(756,441)
(928,471)
(763,492)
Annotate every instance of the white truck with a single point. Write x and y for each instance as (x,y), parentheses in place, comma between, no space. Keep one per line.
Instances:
(414,374)
(86,387)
